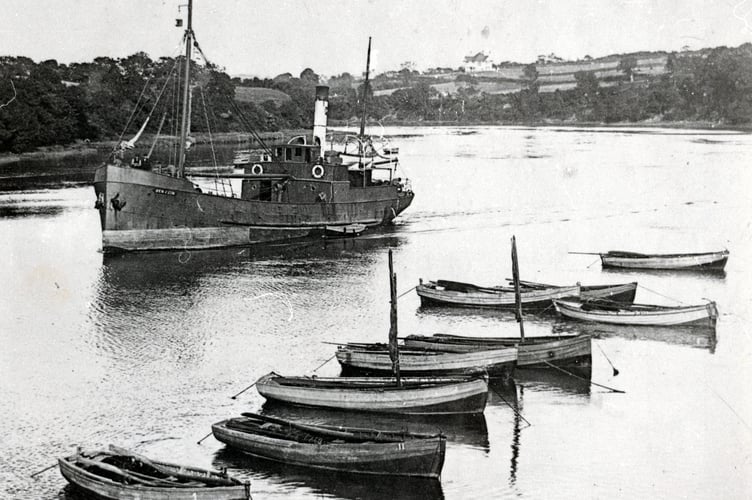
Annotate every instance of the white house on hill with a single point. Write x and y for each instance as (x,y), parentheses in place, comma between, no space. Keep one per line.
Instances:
(478,62)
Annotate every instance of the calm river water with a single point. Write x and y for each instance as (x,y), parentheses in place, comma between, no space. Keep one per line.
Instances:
(145,350)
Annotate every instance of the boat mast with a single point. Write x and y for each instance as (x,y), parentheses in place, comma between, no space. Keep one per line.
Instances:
(393,348)
(365,91)
(517,295)
(186,92)
(361,137)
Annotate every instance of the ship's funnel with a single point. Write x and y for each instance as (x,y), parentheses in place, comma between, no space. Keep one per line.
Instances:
(320,110)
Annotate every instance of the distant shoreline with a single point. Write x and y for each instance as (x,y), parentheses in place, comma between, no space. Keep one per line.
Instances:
(86,149)
(679,125)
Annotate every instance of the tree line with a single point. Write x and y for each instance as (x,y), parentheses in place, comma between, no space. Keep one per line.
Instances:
(47,103)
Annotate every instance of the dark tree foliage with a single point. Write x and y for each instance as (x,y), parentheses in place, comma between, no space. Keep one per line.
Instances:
(47,103)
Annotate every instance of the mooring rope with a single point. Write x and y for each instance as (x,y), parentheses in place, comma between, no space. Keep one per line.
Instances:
(405,293)
(662,295)
(514,409)
(583,378)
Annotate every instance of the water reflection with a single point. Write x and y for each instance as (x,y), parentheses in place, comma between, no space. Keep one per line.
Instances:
(550,380)
(288,478)
(171,306)
(698,336)
(703,273)
(530,316)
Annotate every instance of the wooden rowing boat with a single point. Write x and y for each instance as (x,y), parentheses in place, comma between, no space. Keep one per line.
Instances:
(573,352)
(457,294)
(346,449)
(415,396)
(638,314)
(373,359)
(634,260)
(533,295)
(121,474)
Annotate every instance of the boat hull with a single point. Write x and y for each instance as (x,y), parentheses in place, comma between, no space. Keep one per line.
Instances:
(498,362)
(573,353)
(102,487)
(709,261)
(143,210)
(706,314)
(532,299)
(411,458)
(466,396)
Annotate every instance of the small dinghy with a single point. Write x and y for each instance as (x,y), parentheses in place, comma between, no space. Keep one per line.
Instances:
(346,449)
(638,314)
(533,295)
(676,261)
(119,474)
(414,396)
(568,351)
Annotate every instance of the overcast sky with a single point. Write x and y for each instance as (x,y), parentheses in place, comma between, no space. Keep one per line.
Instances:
(268,37)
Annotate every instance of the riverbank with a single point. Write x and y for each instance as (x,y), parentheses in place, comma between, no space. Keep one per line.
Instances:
(82,149)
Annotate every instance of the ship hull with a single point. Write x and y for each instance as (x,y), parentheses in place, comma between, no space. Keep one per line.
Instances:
(142,210)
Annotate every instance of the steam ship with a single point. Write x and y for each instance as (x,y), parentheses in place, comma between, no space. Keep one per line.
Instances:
(298,189)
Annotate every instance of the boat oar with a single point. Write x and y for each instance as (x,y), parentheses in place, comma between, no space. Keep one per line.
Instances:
(44,470)
(346,435)
(616,372)
(584,253)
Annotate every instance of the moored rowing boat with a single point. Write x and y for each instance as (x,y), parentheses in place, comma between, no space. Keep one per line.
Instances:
(634,260)
(571,351)
(119,474)
(638,314)
(374,359)
(416,396)
(346,449)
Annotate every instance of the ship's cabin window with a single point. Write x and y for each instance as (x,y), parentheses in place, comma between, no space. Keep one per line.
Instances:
(288,154)
(298,152)
(308,155)
(278,152)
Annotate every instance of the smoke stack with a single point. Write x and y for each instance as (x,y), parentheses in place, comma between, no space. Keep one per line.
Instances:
(320,110)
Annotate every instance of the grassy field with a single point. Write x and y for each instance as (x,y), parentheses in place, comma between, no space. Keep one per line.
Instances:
(259,95)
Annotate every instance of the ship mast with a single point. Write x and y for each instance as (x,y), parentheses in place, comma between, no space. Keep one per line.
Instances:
(361,137)
(365,91)
(186,92)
